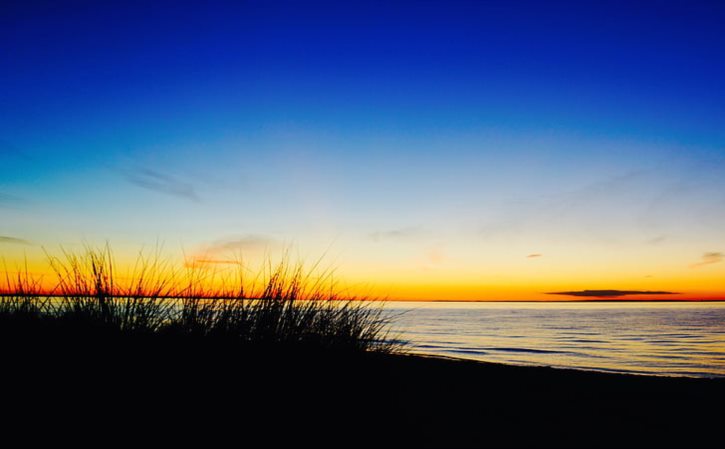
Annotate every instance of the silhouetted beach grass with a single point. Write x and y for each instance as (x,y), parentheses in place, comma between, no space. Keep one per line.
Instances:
(164,357)
(284,306)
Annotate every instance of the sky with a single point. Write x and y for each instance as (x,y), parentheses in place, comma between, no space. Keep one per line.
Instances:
(425,150)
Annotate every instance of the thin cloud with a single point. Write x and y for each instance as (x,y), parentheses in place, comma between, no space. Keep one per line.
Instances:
(163,183)
(9,201)
(13,240)
(590,203)
(610,293)
(534,255)
(11,151)
(215,252)
(247,243)
(709,258)
(657,240)
(395,234)
(202,261)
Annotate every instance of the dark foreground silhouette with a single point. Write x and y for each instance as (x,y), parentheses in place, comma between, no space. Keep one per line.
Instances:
(136,392)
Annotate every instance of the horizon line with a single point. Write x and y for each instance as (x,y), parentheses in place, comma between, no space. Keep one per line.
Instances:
(61,295)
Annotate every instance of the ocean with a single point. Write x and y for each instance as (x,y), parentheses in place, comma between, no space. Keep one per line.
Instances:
(661,338)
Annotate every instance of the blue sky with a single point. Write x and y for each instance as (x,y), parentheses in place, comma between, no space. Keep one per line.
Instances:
(430,140)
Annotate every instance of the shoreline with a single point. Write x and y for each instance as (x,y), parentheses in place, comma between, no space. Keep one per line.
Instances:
(566,368)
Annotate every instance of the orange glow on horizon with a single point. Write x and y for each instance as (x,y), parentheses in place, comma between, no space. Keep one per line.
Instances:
(219,275)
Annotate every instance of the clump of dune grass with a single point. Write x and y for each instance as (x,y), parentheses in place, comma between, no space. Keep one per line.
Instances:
(284,306)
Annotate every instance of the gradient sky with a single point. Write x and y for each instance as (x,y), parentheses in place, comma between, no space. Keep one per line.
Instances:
(430,150)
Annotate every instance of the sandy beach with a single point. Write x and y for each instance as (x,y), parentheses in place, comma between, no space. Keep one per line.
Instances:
(150,393)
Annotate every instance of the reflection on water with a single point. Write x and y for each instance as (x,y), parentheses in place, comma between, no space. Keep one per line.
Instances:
(685,339)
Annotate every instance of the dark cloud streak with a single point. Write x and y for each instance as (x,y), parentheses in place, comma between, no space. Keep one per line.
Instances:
(657,240)
(709,258)
(395,234)
(9,201)
(160,182)
(610,293)
(13,240)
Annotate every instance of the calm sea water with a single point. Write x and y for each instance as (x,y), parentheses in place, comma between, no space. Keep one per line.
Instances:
(680,339)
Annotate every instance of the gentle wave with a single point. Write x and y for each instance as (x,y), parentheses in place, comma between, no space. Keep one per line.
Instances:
(675,339)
